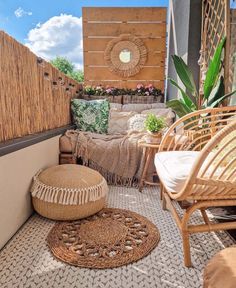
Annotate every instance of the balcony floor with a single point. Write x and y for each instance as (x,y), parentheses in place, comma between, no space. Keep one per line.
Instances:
(26,261)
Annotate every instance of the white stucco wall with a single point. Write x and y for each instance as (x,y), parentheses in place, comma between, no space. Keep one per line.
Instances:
(16,172)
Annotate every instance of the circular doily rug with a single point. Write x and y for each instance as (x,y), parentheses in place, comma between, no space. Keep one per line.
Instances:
(110,238)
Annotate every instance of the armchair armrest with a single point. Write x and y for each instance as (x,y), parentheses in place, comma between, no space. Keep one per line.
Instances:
(194,130)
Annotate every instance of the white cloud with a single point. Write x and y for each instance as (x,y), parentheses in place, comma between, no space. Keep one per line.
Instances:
(21,12)
(59,36)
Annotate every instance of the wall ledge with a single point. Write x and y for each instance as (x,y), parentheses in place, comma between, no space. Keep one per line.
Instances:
(25,141)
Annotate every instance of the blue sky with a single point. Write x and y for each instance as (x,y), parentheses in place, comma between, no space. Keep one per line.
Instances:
(35,23)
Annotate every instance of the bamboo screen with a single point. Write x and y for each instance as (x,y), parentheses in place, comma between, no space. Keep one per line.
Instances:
(34,95)
(101,25)
(215,25)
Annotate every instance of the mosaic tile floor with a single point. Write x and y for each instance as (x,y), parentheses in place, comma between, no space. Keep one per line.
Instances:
(26,262)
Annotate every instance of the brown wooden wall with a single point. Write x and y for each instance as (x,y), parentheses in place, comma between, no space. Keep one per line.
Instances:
(34,96)
(101,25)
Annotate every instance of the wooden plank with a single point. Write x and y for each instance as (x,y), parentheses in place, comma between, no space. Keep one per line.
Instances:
(114,29)
(124,13)
(125,84)
(103,73)
(100,44)
(97,59)
(227,46)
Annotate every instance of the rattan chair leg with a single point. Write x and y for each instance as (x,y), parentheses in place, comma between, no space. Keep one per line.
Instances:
(164,206)
(186,249)
(161,191)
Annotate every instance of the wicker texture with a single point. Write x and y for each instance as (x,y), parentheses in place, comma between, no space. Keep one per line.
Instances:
(212,181)
(137,49)
(111,238)
(68,192)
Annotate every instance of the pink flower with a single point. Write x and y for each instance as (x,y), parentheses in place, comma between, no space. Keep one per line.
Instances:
(139,86)
(108,90)
(151,89)
(150,86)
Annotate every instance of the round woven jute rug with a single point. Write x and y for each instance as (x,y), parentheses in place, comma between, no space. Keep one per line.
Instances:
(108,239)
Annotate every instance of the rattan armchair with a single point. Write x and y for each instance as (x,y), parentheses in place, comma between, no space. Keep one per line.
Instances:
(207,139)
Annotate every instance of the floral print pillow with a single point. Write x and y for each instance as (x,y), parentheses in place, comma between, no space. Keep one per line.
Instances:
(91,115)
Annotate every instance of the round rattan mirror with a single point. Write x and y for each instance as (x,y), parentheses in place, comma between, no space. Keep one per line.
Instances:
(126,55)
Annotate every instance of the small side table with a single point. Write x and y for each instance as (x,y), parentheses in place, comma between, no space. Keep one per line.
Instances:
(149,153)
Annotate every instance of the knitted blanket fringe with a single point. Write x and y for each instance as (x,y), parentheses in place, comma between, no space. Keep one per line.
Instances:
(111,178)
(67,196)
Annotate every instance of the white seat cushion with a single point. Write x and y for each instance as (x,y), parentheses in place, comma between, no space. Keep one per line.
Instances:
(173,168)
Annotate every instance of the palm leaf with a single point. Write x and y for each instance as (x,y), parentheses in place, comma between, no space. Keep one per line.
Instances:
(179,107)
(217,92)
(218,101)
(213,70)
(188,100)
(184,74)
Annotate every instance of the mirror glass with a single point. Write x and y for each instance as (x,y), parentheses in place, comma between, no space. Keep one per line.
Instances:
(125,56)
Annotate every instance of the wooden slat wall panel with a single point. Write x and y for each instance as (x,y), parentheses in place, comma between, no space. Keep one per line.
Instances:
(100,44)
(102,73)
(138,29)
(97,58)
(124,14)
(101,25)
(31,101)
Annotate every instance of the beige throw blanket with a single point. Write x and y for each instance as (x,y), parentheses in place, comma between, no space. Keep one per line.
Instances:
(117,157)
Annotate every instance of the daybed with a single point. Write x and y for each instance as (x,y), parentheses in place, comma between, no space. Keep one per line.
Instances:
(115,154)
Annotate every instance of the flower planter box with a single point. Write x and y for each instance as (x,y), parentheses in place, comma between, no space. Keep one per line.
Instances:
(127,99)
(140,99)
(110,98)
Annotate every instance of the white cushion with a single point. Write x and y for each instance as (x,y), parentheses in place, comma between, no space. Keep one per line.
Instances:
(173,168)
(137,123)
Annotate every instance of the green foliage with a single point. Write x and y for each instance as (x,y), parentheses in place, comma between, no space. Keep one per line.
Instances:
(154,123)
(77,75)
(213,71)
(185,75)
(179,107)
(214,90)
(65,66)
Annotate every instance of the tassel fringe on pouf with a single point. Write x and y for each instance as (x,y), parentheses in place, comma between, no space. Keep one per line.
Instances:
(68,192)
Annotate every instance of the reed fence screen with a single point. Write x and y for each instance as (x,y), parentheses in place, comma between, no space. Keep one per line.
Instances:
(34,96)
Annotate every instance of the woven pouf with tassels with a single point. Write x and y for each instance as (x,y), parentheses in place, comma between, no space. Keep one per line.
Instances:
(68,192)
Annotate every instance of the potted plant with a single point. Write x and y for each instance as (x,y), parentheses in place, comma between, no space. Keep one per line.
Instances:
(213,86)
(154,126)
